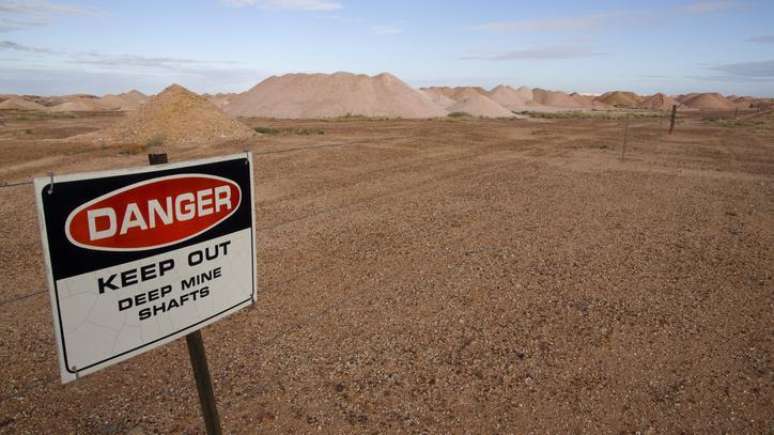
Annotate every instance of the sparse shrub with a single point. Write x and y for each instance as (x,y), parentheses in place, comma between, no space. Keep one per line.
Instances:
(593,114)
(133,149)
(155,141)
(266,130)
(460,115)
(299,131)
(309,131)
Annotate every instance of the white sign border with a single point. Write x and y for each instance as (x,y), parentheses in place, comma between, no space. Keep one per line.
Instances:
(42,183)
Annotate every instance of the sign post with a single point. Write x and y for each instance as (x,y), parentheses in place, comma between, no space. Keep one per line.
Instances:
(137,258)
(198,358)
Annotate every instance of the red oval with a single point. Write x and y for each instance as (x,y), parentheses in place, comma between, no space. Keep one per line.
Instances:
(153,213)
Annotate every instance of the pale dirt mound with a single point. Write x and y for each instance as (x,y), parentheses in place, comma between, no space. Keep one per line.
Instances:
(589,101)
(709,101)
(659,102)
(112,102)
(126,101)
(510,98)
(458,93)
(480,105)
(743,102)
(620,99)
(438,98)
(525,93)
(220,100)
(682,97)
(78,104)
(19,103)
(134,97)
(174,116)
(298,96)
(555,99)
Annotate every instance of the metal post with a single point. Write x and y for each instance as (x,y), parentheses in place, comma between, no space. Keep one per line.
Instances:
(674,116)
(198,358)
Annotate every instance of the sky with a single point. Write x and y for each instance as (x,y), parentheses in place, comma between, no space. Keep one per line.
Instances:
(50,47)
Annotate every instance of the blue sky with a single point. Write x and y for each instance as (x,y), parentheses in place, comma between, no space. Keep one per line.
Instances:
(59,46)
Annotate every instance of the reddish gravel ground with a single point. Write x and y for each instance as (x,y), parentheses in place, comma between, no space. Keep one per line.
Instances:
(443,276)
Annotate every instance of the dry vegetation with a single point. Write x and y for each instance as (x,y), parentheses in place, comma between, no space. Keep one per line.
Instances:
(441,276)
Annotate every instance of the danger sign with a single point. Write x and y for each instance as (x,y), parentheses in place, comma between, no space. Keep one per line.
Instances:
(137,258)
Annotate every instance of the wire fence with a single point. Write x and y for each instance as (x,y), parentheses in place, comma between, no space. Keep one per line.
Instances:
(40,383)
(329,210)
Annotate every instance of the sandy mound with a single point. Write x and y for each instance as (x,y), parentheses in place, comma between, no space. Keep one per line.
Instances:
(710,101)
(126,101)
(333,95)
(438,98)
(480,105)
(659,102)
(525,93)
(176,115)
(589,101)
(510,98)
(681,98)
(620,99)
(134,97)
(458,93)
(555,99)
(19,103)
(743,102)
(220,100)
(112,102)
(78,104)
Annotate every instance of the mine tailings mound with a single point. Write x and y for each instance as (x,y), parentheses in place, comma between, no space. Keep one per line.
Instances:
(127,101)
(296,96)
(439,99)
(709,101)
(512,99)
(78,104)
(557,99)
(659,102)
(456,93)
(620,99)
(480,105)
(18,103)
(174,116)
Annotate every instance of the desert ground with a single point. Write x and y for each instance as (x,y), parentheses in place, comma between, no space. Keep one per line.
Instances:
(441,276)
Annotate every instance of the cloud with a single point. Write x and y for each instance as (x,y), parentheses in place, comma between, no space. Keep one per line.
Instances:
(765,39)
(708,6)
(604,20)
(540,53)
(292,5)
(587,22)
(10,45)
(96,58)
(760,69)
(119,61)
(60,81)
(18,15)
(730,78)
(386,30)
(11,24)
(41,7)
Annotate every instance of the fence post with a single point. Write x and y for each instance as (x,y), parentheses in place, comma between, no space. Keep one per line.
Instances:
(672,121)
(625,138)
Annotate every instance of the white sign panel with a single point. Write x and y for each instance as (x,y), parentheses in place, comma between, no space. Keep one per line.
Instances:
(137,258)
